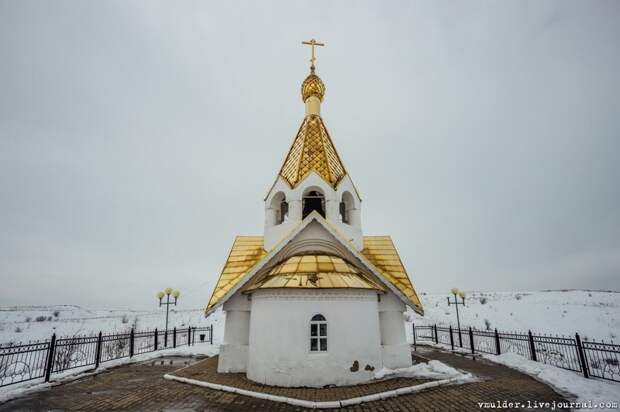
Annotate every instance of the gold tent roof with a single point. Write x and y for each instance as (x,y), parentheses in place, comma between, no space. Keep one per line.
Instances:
(314,272)
(312,150)
(247,251)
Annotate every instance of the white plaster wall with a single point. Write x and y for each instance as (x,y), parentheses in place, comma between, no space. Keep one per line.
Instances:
(395,350)
(391,302)
(279,344)
(352,231)
(237,327)
(234,350)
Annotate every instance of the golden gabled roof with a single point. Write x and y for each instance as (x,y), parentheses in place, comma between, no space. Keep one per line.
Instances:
(314,272)
(382,253)
(247,251)
(312,149)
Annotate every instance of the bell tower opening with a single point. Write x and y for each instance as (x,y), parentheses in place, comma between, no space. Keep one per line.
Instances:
(346,205)
(279,207)
(313,200)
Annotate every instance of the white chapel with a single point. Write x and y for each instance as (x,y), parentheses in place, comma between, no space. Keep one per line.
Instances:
(313,302)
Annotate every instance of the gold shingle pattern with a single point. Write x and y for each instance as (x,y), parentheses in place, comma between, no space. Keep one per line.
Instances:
(247,251)
(312,86)
(314,272)
(312,149)
(382,253)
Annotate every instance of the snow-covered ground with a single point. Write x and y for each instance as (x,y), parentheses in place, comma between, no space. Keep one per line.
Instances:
(595,315)
(433,369)
(28,323)
(592,314)
(588,392)
(584,393)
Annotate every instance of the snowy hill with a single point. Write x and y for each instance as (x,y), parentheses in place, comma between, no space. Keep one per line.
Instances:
(592,314)
(24,323)
(595,315)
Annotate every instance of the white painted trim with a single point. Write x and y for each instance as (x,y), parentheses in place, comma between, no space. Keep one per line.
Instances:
(323,404)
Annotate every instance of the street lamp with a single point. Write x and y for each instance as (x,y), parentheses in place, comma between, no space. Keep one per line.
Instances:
(167,292)
(460,294)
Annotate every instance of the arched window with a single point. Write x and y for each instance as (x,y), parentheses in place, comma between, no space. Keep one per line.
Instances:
(313,200)
(346,205)
(318,334)
(280,207)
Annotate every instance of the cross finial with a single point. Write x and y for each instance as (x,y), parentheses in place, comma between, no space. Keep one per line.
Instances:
(312,43)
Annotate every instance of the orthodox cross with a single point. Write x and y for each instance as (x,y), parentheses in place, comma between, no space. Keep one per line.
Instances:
(312,43)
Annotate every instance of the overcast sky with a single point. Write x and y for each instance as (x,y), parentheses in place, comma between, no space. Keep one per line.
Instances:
(137,138)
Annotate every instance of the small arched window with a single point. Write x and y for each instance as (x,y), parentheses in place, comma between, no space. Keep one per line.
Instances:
(318,334)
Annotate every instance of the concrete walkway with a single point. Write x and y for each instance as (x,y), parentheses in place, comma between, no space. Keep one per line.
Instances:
(141,387)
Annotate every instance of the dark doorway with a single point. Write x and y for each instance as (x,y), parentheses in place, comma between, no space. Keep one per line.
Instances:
(313,201)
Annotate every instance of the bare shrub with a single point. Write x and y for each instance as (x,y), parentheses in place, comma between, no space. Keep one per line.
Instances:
(487,324)
(49,318)
(518,297)
(612,361)
(18,329)
(115,349)
(56,313)
(67,354)
(483,301)
(125,319)
(40,318)
(28,319)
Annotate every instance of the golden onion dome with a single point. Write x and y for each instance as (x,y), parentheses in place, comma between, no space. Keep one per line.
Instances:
(312,86)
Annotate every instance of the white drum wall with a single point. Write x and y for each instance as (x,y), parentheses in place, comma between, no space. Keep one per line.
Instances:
(279,341)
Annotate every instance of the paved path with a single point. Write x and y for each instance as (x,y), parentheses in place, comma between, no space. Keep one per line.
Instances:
(140,387)
(206,370)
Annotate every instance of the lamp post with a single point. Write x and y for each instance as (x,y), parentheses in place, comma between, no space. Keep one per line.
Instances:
(457,293)
(167,292)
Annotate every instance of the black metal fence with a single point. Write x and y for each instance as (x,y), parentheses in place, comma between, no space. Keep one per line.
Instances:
(38,360)
(591,358)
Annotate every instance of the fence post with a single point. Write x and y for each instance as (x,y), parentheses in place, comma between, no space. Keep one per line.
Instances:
(189,335)
(166,338)
(582,357)
(436,337)
(174,337)
(532,348)
(451,339)
(194,335)
(497,347)
(131,343)
(471,340)
(460,337)
(211,334)
(98,350)
(50,358)
(413,331)
(155,338)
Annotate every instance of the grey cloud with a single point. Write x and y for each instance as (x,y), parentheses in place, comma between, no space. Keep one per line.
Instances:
(138,138)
